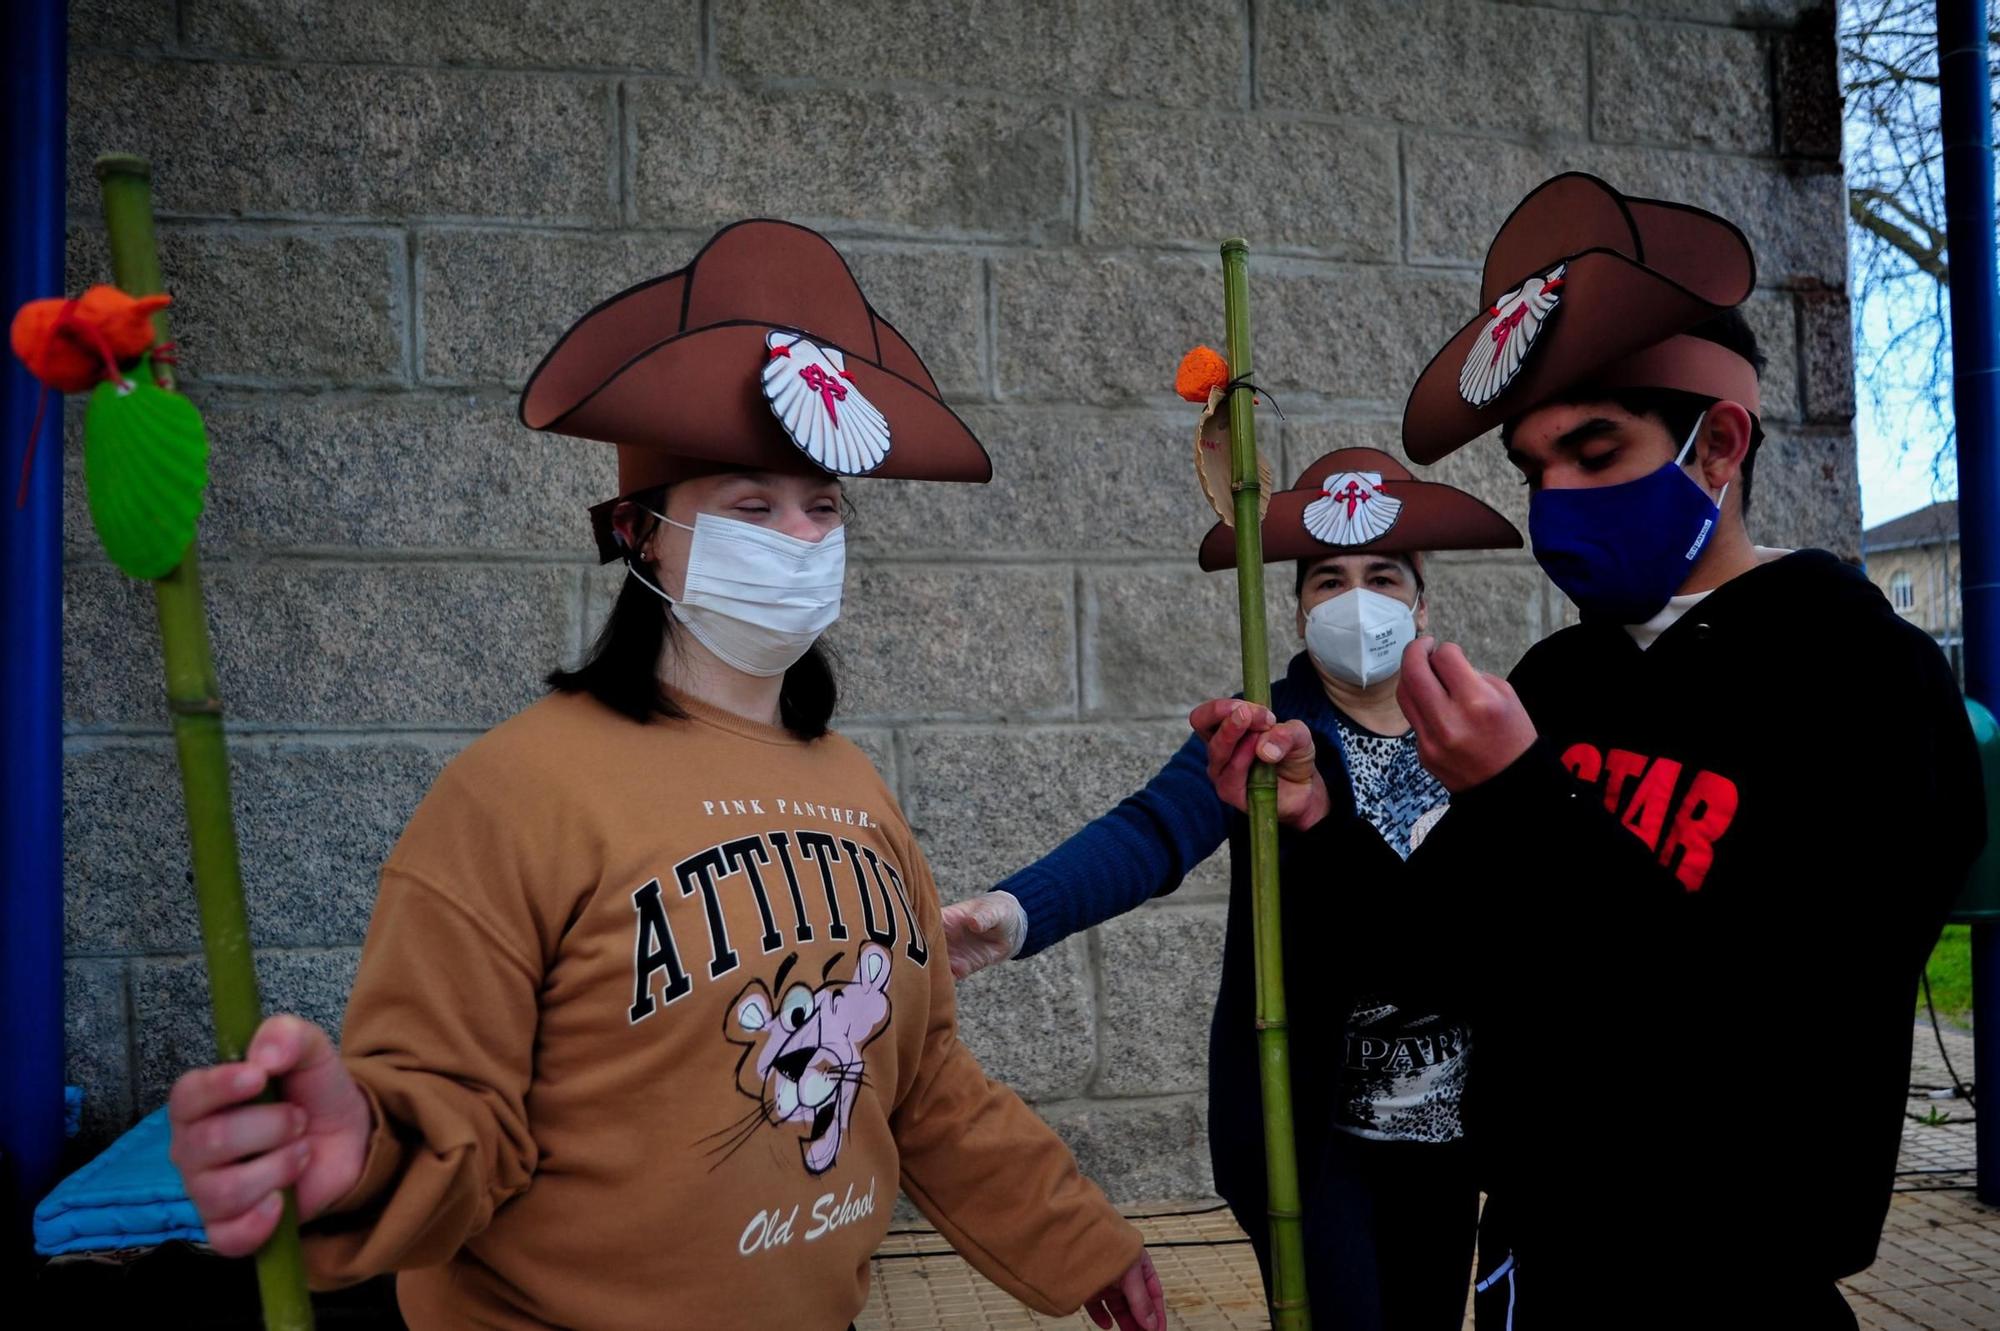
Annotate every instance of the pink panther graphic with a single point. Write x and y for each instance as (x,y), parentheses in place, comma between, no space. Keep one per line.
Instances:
(802,1052)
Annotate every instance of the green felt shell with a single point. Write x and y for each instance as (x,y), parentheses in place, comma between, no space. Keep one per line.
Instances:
(145,465)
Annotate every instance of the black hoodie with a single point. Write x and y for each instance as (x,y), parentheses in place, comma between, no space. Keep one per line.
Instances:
(1700,904)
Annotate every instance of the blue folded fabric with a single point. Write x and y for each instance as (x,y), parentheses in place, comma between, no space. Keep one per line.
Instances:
(128,1197)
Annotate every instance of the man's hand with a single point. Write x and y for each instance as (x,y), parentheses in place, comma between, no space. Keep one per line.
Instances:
(982,930)
(235,1155)
(1470,726)
(1135,1303)
(1238,734)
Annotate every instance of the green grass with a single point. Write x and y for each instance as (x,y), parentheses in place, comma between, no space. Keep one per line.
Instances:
(1950,970)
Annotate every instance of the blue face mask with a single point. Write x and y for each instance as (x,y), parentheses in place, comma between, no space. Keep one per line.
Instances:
(1621,551)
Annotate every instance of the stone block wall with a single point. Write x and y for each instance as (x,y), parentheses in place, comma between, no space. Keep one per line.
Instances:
(377,213)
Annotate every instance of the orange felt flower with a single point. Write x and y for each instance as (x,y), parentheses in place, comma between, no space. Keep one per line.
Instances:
(1201,371)
(67,343)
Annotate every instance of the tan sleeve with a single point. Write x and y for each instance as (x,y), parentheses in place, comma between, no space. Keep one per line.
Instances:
(440,1034)
(991,1175)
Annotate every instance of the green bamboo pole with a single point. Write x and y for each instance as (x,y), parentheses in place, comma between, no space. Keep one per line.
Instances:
(195,702)
(1281,1171)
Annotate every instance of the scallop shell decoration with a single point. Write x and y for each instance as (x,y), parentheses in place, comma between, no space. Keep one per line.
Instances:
(1352,509)
(1517,320)
(1212,463)
(145,465)
(821,407)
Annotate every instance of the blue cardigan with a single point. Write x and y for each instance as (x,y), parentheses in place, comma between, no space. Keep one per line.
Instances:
(1145,847)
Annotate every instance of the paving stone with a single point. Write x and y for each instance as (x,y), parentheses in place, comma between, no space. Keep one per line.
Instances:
(1033,1024)
(96,1046)
(1677,84)
(359,472)
(1140,1149)
(494,302)
(174,1032)
(342,317)
(661,38)
(1807,78)
(986,801)
(1065,482)
(1805,492)
(1292,184)
(314,822)
(121,25)
(1160,968)
(1828,335)
(1159,640)
(1492,610)
(1345,331)
(937,300)
(972,165)
(1408,62)
(943,643)
(454,646)
(1174,55)
(407,141)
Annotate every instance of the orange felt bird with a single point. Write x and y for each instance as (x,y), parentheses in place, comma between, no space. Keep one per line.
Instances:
(72,344)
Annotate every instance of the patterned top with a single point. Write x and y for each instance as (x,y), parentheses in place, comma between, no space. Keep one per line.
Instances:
(1392,789)
(1405,1068)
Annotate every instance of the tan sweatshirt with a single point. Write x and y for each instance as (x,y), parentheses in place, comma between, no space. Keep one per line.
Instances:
(655,1020)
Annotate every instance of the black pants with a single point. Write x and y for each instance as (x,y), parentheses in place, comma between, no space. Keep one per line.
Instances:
(1652,1286)
(1388,1233)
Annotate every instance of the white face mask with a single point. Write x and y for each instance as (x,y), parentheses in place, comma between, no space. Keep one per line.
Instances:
(757,598)
(1359,635)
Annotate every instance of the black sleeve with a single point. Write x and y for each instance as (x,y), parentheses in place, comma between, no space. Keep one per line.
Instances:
(1534,844)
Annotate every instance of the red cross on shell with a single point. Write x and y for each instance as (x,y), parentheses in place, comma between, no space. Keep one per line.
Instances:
(1352,509)
(1503,344)
(820,406)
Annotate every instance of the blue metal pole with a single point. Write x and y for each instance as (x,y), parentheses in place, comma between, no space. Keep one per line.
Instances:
(1966,119)
(31,900)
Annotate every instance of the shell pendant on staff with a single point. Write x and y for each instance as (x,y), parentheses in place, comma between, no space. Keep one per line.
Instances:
(145,465)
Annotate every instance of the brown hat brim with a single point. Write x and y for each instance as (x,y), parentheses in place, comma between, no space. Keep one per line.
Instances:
(1433,517)
(1611,307)
(698,395)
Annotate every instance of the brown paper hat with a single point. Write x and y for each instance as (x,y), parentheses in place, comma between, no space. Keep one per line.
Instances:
(763,354)
(1363,501)
(1586,286)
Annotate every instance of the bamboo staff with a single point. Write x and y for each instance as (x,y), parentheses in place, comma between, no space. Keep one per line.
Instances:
(195,701)
(1281,1172)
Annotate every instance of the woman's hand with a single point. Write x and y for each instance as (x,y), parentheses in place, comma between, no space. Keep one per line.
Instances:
(235,1155)
(1239,733)
(982,930)
(1135,1303)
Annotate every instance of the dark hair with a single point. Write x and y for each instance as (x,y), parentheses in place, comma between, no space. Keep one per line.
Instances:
(1305,567)
(622,670)
(1679,411)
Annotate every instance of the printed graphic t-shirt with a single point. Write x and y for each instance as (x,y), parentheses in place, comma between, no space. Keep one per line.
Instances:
(1403,1077)
(655,1020)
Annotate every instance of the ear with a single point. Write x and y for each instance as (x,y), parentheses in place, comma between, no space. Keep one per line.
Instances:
(629,525)
(750,1015)
(1423,614)
(871,968)
(1723,444)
